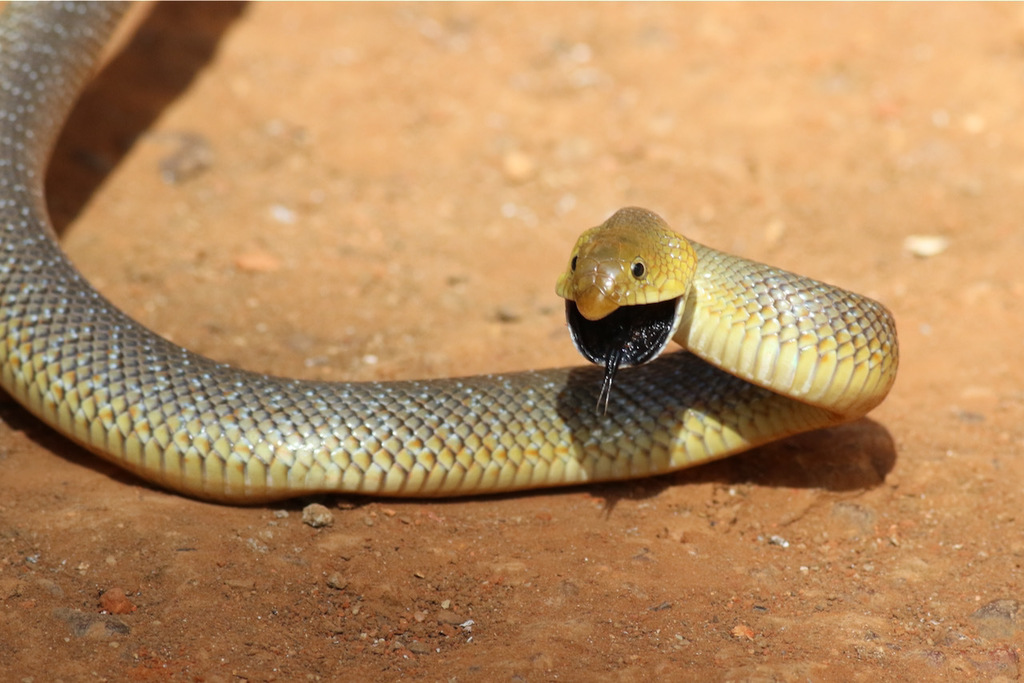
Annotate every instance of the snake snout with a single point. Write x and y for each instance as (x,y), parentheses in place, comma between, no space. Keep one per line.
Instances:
(595,294)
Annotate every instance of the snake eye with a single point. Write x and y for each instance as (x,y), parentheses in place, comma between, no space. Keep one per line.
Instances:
(638,269)
(572,264)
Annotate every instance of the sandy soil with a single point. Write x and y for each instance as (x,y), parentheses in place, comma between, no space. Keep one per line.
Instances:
(386,191)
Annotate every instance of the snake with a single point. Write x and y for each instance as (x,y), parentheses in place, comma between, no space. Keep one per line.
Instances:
(765,353)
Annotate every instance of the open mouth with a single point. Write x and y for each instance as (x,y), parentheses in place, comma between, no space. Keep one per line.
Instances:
(630,335)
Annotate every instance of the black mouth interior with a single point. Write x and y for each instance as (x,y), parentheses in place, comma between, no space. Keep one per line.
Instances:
(631,335)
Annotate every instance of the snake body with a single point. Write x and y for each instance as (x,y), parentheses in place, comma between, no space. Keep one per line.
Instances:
(792,354)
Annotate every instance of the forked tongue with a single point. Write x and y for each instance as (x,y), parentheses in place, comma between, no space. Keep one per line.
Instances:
(611,366)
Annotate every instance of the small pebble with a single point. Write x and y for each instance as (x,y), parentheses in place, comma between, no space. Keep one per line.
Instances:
(114,601)
(518,166)
(282,214)
(317,516)
(774,231)
(974,123)
(257,261)
(191,158)
(997,619)
(448,617)
(337,581)
(11,588)
(924,246)
(743,631)
(418,648)
(93,626)
(507,314)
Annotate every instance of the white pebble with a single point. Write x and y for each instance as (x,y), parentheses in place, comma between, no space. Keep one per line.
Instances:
(924,246)
(282,214)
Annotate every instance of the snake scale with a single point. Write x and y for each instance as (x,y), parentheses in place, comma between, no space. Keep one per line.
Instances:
(770,354)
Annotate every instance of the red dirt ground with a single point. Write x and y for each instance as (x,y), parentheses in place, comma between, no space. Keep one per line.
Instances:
(386,191)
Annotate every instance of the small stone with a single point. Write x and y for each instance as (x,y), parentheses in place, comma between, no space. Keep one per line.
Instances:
(317,516)
(743,631)
(94,626)
(114,601)
(51,587)
(282,214)
(997,620)
(257,261)
(193,156)
(507,314)
(11,588)
(974,123)
(774,231)
(853,518)
(448,617)
(418,648)
(925,246)
(518,166)
(337,581)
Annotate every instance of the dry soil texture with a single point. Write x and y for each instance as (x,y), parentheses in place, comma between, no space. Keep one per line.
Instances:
(388,191)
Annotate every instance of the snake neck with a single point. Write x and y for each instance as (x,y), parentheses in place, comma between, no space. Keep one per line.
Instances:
(790,334)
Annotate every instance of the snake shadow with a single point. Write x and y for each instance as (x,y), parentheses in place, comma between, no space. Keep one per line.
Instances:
(169,49)
(851,457)
(48,443)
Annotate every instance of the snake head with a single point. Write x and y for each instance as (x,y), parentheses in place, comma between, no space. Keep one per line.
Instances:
(624,290)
